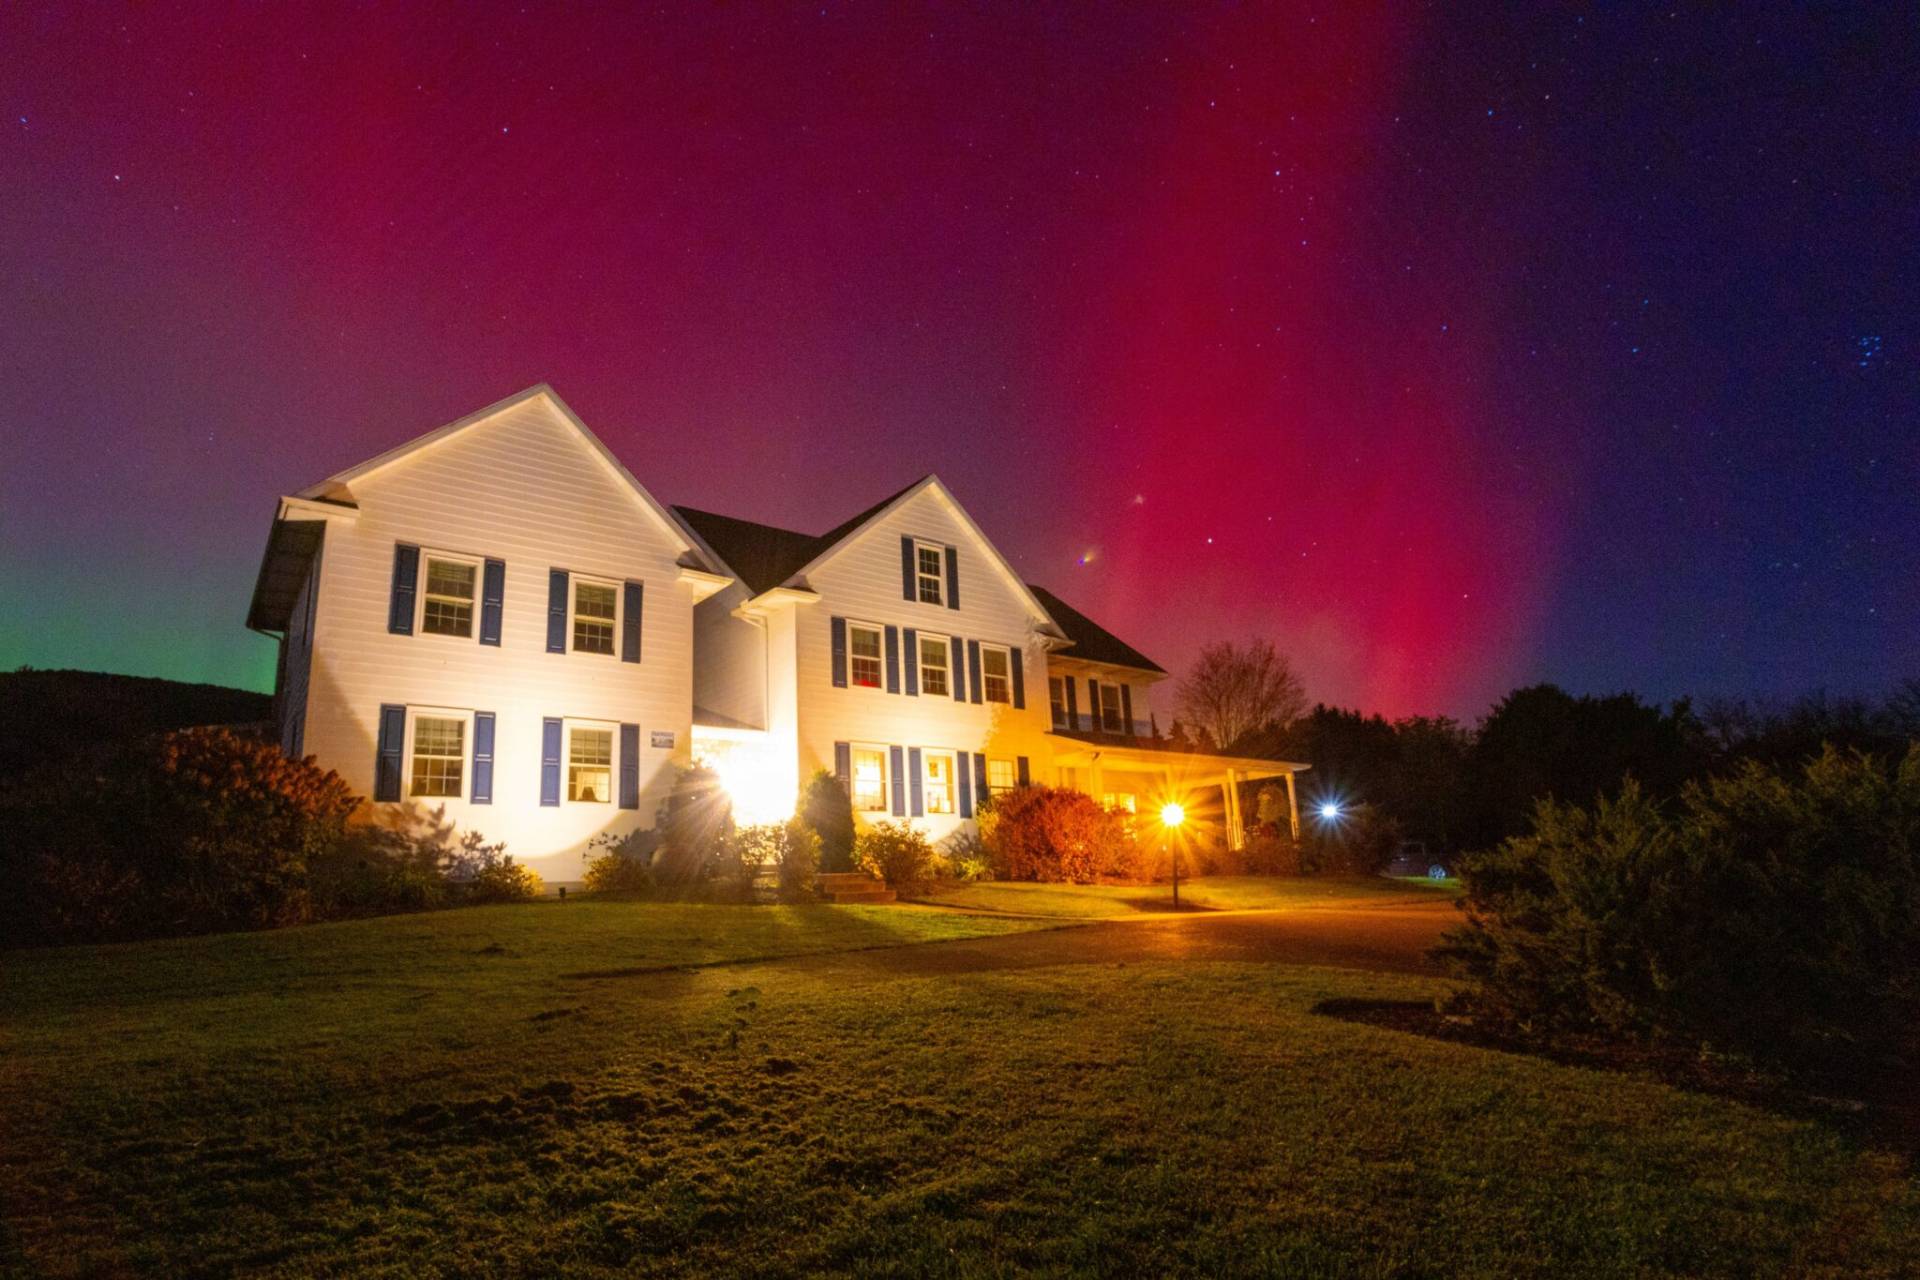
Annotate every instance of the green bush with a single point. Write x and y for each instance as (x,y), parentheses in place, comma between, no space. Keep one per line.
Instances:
(1055,834)
(1361,843)
(796,860)
(384,863)
(194,831)
(484,873)
(1771,915)
(694,823)
(828,811)
(620,864)
(896,853)
(1271,851)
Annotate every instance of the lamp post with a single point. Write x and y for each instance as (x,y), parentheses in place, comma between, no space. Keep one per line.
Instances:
(1171,816)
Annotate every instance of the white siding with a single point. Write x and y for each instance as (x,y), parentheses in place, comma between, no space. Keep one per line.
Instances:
(729,659)
(522,487)
(863,583)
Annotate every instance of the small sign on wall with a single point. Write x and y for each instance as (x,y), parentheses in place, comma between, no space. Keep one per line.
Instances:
(663,738)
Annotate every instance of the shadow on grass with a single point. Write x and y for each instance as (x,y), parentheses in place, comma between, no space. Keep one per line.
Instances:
(1889,1120)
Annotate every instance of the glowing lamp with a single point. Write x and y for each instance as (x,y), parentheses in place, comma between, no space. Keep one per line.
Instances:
(1171,814)
(1329,811)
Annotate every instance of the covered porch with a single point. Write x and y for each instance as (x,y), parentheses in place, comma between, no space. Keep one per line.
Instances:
(1134,774)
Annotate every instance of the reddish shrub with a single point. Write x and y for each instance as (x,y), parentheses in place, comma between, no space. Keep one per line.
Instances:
(1055,834)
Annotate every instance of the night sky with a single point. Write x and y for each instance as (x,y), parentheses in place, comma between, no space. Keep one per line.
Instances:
(1453,352)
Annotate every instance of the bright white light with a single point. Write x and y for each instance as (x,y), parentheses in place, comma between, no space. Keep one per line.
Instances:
(1329,810)
(1172,815)
(754,784)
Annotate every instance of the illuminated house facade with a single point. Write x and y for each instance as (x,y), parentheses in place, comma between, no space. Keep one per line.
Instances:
(498,618)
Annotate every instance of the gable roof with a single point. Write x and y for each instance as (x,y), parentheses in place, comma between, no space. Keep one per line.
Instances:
(1091,640)
(338,487)
(765,557)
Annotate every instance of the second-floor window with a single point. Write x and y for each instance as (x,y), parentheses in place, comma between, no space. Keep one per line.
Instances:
(930,573)
(869,779)
(1057,698)
(996,673)
(863,655)
(439,757)
(595,610)
(1111,717)
(447,609)
(590,765)
(933,666)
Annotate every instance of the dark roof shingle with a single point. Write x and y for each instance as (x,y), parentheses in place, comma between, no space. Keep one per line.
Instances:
(1091,640)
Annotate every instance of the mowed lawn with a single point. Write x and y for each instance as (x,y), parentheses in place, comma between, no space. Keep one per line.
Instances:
(1213,893)
(454,1094)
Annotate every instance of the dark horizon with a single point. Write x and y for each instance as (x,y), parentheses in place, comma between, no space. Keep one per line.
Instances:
(1454,354)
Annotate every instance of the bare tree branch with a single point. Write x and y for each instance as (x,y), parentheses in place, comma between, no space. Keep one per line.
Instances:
(1233,691)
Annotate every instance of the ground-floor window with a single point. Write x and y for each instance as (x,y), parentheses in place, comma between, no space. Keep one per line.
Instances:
(439,757)
(1125,801)
(590,764)
(1000,776)
(870,779)
(939,781)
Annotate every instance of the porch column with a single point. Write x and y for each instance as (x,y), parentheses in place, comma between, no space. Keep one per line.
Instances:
(1293,806)
(1094,788)
(1236,832)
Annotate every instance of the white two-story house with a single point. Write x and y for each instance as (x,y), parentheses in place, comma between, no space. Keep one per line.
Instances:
(499,619)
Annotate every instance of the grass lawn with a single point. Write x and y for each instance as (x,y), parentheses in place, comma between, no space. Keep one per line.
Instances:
(1219,893)
(400,1097)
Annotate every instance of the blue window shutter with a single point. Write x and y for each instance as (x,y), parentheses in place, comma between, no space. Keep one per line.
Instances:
(980,792)
(557,612)
(1073,706)
(953,578)
(493,594)
(1017,664)
(959,671)
(916,789)
(406,573)
(911,651)
(1020,774)
(899,782)
(1126,707)
(973,670)
(843,765)
(964,768)
(393,741)
(634,605)
(550,762)
(629,766)
(483,757)
(1093,704)
(839,653)
(906,568)
(893,659)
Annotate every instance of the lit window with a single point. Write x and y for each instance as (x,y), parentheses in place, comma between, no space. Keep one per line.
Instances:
(595,609)
(931,565)
(1111,717)
(1000,776)
(439,756)
(869,779)
(863,651)
(996,666)
(1057,696)
(1122,800)
(939,782)
(933,666)
(590,765)
(448,610)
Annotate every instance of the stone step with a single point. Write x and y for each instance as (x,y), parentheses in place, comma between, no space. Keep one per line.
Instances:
(875,896)
(844,880)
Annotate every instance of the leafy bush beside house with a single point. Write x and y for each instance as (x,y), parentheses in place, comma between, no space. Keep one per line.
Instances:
(894,852)
(1772,914)
(1056,834)
(827,810)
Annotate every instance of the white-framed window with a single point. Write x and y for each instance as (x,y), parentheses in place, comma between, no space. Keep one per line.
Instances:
(1057,699)
(1125,801)
(938,783)
(864,662)
(930,572)
(996,673)
(1112,718)
(589,762)
(934,676)
(437,738)
(1000,776)
(451,587)
(869,779)
(595,624)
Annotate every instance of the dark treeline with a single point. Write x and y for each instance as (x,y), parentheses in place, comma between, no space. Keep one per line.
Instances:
(1457,787)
